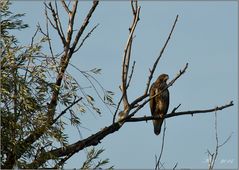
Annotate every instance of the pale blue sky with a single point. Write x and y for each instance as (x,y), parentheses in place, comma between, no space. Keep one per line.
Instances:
(205,37)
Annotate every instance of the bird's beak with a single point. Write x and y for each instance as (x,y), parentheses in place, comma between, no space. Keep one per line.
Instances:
(166,78)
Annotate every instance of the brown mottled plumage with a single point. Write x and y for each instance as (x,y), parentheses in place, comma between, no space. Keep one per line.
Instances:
(159,104)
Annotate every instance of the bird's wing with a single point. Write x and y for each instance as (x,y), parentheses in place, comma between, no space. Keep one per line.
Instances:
(165,102)
(152,102)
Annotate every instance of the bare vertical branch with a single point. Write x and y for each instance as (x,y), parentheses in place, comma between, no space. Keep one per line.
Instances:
(162,147)
(125,63)
(47,34)
(71,16)
(59,20)
(131,74)
(47,17)
(126,58)
(213,156)
(56,26)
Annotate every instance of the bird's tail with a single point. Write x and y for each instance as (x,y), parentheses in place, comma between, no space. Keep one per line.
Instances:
(157,126)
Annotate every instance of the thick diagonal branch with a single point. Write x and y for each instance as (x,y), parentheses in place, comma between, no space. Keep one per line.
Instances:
(75,147)
(97,137)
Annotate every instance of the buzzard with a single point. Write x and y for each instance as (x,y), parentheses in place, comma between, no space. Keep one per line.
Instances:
(159,104)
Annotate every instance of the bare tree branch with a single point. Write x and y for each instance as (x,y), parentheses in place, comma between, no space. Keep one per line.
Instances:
(47,7)
(56,26)
(160,55)
(75,147)
(34,36)
(59,20)
(65,6)
(213,156)
(125,64)
(179,74)
(97,137)
(228,138)
(162,147)
(134,6)
(175,166)
(84,24)
(117,109)
(87,36)
(63,160)
(131,74)
(71,15)
(174,109)
(126,59)
(66,109)
(47,34)
(173,114)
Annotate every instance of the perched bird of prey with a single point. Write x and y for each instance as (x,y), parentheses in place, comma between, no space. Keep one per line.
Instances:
(159,104)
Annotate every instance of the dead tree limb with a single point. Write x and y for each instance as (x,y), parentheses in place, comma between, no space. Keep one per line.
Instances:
(96,138)
(173,114)
(126,59)
(125,63)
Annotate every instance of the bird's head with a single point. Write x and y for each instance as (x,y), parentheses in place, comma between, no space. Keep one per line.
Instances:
(162,78)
